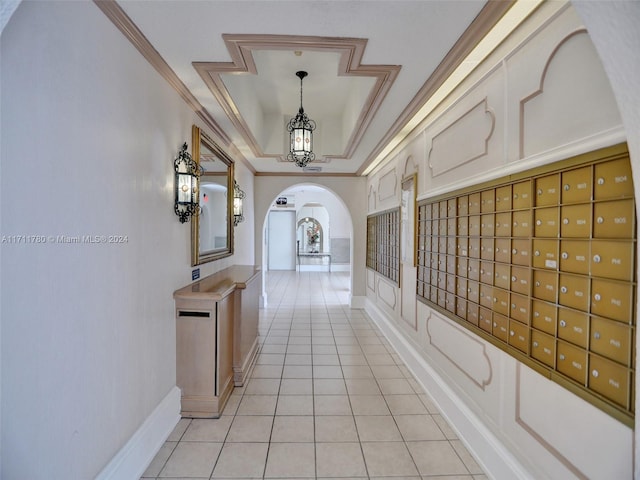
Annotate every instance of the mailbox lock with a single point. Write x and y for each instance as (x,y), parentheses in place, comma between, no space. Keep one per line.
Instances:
(539,191)
(514,251)
(565,221)
(535,344)
(595,373)
(563,323)
(513,279)
(512,333)
(563,289)
(495,325)
(600,220)
(538,222)
(567,187)
(515,196)
(537,253)
(565,255)
(513,305)
(537,284)
(597,297)
(596,335)
(596,258)
(601,181)
(536,314)
(562,356)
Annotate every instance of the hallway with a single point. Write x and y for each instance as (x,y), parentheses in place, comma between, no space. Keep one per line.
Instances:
(327,398)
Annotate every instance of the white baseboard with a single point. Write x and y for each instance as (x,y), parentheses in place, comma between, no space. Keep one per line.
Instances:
(358,301)
(136,455)
(492,455)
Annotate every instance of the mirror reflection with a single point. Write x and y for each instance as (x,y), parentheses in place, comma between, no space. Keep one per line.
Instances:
(212,230)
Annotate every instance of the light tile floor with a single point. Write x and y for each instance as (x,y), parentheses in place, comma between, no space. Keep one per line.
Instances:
(328,397)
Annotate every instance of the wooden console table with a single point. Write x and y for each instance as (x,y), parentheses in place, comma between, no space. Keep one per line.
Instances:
(216,338)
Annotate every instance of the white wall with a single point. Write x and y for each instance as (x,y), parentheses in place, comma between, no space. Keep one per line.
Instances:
(541,97)
(89,134)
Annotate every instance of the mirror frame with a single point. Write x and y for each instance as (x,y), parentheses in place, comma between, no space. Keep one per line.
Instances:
(198,138)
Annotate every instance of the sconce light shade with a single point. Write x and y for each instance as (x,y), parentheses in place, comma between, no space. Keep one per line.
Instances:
(238,198)
(300,130)
(186,185)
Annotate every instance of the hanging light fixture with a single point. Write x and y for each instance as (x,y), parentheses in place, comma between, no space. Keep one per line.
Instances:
(238,197)
(301,130)
(186,185)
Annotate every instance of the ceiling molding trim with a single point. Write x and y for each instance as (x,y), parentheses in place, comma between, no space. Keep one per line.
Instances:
(297,174)
(351,50)
(130,30)
(490,14)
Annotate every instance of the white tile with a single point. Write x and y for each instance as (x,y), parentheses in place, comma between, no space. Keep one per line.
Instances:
(250,428)
(192,459)
(153,470)
(377,428)
(340,428)
(244,460)
(263,386)
(295,405)
(369,405)
(293,429)
(291,460)
(296,386)
(332,405)
(207,429)
(436,458)
(405,405)
(418,427)
(258,405)
(329,386)
(340,460)
(388,459)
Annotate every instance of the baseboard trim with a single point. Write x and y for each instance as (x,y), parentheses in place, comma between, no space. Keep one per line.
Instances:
(492,455)
(136,455)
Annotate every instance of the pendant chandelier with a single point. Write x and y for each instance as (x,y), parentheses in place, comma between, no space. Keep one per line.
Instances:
(301,130)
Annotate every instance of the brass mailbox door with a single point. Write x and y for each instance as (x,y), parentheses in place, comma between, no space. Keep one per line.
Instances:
(503,224)
(452,207)
(574,256)
(548,190)
(461,308)
(443,209)
(503,250)
(452,227)
(472,313)
(576,221)
(545,254)
(544,316)
(487,227)
(474,226)
(576,185)
(546,222)
(543,348)
(487,201)
(521,252)
(463,246)
(521,280)
(609,379)
(500,327)
(474,203)
(613,179)
(545,285)
(463,205)
(521,195)
(486,248)
(473,292)
(503,198)
(463,264)
(612,259)
(502,276)
(611,339)
(486,295)
(612,299)
(613,219)
(451,283)
(474,270)
(450,302)
(443,227)
(572,361)
(520,308)
(574,291)
(573,326)
(442,244)
(461,287)
(486,272)
(521,223)
(519,336)
(485,321)
(501,301)
(435,210)
(451,264)
(463,226)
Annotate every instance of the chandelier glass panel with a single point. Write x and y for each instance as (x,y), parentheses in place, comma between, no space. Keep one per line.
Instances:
(300,130)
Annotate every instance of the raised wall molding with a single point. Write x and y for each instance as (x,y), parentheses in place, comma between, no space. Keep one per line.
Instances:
(450,340)
(387,293)
(387,186)
(371,280)
(475,126)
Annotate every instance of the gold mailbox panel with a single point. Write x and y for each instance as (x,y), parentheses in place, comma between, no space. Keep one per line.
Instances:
(521,223)
(572,361)
(519,336)
(521,195)
(574,256)
(573,327)
(546,222)
(544,316)
(548,190)
(542,265)
(613,219)
(545,285)
(521,252)
(503,198)
(613,179)
(577,185)
(611,339)
(612,299)
(574,291)
(576,221)
(545,254)
(609,379)
(543,348)
(611,259)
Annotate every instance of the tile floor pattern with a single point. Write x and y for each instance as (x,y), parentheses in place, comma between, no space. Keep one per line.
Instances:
(328,398)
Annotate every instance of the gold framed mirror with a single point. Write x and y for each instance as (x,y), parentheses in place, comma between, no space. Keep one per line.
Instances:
(212,227)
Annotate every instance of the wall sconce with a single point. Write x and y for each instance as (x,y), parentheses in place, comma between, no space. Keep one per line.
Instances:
(238,197)
(186,185)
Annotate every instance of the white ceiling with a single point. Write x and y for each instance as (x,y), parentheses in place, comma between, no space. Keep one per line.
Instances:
(415,35)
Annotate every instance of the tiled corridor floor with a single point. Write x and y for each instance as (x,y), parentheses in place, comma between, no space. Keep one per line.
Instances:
(327,398)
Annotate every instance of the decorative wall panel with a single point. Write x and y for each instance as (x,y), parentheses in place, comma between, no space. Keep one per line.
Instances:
(388,185)
(542,265)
